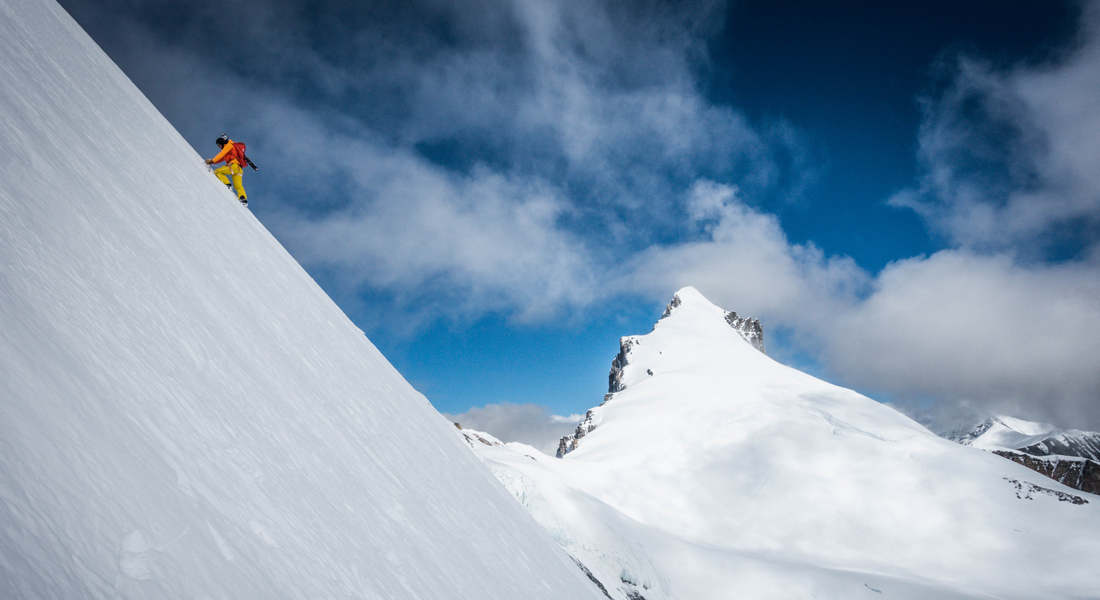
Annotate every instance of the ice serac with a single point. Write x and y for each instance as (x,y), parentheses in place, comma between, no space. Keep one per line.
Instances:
(1068,456)
(183,412)
(716,472)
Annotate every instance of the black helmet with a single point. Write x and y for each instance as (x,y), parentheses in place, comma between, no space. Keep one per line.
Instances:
(223,140)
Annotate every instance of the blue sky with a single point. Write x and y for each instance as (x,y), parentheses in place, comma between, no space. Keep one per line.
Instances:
(496,190)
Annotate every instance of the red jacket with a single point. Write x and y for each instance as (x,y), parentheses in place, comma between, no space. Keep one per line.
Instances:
(230,153)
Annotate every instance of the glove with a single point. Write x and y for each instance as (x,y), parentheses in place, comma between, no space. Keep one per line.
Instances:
(209,161)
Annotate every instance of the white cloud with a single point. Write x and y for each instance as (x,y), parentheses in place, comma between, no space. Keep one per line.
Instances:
(745,262)
(1011,155)
(981,328)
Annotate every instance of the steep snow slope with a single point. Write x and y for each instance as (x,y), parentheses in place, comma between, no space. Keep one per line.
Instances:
(719,473)
(183,412)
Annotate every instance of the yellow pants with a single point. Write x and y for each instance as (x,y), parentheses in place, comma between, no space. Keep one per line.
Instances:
(233,169)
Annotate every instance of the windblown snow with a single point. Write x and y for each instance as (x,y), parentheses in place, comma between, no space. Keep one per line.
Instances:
(716,472)
(183,412)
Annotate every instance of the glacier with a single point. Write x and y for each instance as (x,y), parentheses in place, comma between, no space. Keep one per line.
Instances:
(183,412)
(712,471)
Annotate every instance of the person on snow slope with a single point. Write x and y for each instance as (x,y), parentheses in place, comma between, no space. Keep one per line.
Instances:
(233,155)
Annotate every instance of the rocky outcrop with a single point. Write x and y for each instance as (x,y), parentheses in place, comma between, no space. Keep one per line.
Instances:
(592,577)
(569,443)
(615,384)
(1080,474)
(615,378)
(1026,491)
(471,436)
(750,329)
(673,305)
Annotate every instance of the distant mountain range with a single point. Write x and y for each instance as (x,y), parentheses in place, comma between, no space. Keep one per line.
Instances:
(1069,456)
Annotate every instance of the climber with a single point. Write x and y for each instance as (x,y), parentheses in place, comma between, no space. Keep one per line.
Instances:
(233,155)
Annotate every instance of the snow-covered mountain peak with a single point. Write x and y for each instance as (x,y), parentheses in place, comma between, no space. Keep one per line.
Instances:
(693,334)
(1003,432)
(708,452)
(694,310)
(691,300)
(697,344)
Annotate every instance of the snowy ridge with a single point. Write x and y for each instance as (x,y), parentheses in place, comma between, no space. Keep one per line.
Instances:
(716,472)
(183,412)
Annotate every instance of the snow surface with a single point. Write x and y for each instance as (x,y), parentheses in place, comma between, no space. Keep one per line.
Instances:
(725,474)
(183,412)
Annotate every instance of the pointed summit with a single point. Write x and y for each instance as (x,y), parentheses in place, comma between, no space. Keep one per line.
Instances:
(688,315)
(688,297)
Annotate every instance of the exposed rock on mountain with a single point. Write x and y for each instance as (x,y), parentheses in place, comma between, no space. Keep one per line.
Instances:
(615,378)
(749,328)
(1026,491)
(569,442)
(673,305)
(1079,474)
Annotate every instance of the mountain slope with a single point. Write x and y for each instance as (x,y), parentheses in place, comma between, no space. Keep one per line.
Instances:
(183,412)
(716,472)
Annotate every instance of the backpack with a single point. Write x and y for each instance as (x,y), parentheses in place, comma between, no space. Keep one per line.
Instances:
(238,151)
